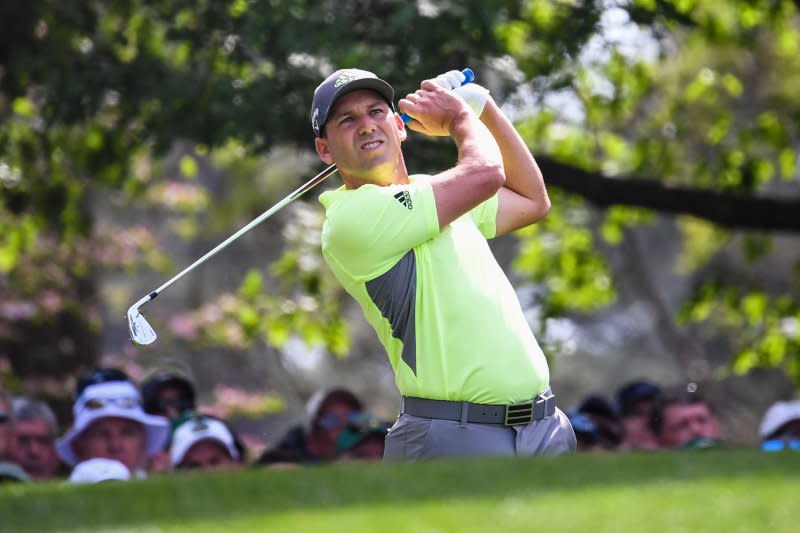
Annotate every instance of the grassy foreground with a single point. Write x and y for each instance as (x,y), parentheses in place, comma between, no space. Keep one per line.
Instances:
(726,491)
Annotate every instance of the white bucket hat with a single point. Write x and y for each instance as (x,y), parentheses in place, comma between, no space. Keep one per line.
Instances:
(117,399)
(196,429)
(779,414)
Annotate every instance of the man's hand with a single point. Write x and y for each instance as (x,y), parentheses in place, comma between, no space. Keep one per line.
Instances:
(433,109)
(475,95)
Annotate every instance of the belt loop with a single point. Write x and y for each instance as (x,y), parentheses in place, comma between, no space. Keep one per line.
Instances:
(464,412)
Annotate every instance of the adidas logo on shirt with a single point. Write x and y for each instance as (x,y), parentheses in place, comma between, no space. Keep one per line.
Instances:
(404,198)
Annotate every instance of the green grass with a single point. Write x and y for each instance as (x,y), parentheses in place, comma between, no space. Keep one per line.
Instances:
(725,490)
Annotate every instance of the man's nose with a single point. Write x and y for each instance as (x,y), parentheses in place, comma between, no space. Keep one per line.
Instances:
(366,124)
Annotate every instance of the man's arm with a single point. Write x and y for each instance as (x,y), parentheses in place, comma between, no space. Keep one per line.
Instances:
(479,173)
(523,199)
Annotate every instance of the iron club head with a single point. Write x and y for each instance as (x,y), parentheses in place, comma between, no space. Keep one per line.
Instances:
(139,328)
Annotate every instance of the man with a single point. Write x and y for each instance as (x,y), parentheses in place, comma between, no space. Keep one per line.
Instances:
(780,427)
(605,419)
(635,403)
(35,431)
(168,391)
(684,419)
(412,250)
(328,413)
(109,423)
(8,470)
(205,443)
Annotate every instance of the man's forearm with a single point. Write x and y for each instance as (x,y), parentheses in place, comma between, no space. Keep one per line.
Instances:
(522,173)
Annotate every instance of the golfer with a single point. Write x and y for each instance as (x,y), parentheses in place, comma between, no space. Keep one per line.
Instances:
(412,250)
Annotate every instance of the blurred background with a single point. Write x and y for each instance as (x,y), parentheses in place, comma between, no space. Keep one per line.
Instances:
(136,135)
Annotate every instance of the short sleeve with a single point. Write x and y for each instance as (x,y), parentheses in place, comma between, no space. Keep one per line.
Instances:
(367,230)
(485,216)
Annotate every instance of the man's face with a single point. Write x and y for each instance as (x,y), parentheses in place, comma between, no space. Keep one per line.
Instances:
(685,423)
(638,435)
(113,438)
(34,448)
(363,136)
(334,417)
(172,401)
(208,455)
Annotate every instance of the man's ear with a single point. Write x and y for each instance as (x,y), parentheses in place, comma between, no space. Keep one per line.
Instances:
(401,127)
(323,151)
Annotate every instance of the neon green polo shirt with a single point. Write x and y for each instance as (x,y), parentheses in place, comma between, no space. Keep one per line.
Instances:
(450,321)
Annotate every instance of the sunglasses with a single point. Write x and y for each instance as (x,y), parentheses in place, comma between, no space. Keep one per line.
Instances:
(4,417)
(333,421)
(124,402)
(779,445)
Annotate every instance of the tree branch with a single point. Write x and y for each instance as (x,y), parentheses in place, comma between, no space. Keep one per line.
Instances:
(732,211)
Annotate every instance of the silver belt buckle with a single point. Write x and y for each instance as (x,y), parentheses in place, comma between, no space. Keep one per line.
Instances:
(518,413)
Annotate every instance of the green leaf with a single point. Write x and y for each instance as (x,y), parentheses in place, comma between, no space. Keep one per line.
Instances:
(188,166)
(23,107)
(252,285)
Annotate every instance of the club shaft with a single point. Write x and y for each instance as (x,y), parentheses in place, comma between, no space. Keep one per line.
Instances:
(310,184)
(469,76)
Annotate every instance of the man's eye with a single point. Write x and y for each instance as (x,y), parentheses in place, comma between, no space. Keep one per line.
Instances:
(345,120)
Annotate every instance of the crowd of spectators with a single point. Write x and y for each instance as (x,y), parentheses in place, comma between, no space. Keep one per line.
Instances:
(121,430)
(643,416)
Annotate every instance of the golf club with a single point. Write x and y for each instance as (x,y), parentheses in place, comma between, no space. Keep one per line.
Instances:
(141,332)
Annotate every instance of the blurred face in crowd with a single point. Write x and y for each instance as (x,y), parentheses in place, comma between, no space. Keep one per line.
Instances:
(685,423)
(638,435)
(34,448)
(333,418)
(208,454)
(113,438)
(172,401)
(5,427)
(643,407)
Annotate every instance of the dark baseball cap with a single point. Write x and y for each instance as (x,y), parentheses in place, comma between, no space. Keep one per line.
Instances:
(340,83)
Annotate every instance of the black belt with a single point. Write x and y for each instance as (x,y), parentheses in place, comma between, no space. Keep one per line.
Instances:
(538,408)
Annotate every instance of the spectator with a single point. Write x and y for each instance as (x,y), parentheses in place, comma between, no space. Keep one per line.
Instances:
(327,413)
(635,403)
(203,442)
(364,439)
(780,427)
(587,434)
(109,422)
(168,391)
(8,471)
(605,418)
(685,419)
(6,425)
(35,431)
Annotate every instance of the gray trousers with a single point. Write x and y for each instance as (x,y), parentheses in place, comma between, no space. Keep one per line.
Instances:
(413,438)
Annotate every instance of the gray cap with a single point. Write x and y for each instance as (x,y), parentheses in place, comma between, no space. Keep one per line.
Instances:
(337,85)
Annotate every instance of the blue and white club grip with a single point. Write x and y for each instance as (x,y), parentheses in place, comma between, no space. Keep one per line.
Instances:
(469,77)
